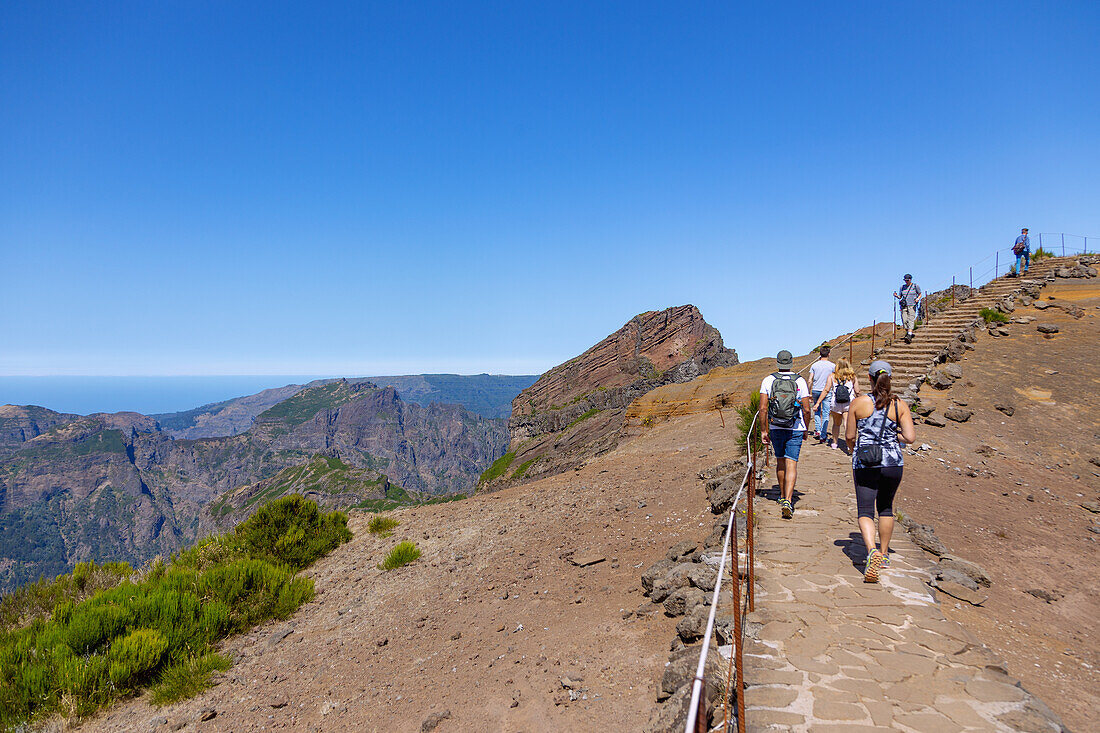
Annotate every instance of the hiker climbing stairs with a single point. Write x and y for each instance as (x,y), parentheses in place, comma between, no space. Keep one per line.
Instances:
(911,361)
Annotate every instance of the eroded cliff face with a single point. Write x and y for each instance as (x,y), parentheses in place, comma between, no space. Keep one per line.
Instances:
(20,423)
(576,409)
(116,487)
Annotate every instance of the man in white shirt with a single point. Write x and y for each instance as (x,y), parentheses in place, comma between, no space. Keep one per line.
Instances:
(819,378)
(784,414)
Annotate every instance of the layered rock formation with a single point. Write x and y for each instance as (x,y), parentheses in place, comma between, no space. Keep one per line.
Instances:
(117,487)
(575,410)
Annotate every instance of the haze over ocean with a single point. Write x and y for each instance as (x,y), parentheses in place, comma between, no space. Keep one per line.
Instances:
(147,395)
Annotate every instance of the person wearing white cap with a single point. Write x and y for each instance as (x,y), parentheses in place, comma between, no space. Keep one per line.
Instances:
(881,422)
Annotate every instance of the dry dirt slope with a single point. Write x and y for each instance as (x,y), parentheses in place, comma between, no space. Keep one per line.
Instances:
(1008,493)
(488,623)
(492,617)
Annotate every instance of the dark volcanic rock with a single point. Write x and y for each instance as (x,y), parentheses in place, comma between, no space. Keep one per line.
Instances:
(958,414)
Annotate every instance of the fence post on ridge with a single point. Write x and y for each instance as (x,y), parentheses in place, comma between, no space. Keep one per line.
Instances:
(952,291)
(894,334)
(1063,244)
(874,327)
(971,278)
(997,261)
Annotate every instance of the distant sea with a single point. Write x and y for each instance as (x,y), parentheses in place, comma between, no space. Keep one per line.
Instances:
(148,395)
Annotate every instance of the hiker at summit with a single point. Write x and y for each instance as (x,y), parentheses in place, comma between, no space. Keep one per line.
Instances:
(820,394)
(1022,250)
(910,296)
(784,414)
(878,424)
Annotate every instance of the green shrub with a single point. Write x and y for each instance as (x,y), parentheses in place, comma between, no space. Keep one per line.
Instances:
(160,623)
(522,470)
(291,530)
(1041,254)
(745,415)
(989,315)
(382,525)
(133,656)
(187,678)
(402,553)
(498,468)
(584,416)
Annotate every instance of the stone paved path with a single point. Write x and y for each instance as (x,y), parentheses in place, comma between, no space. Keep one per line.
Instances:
(832,653)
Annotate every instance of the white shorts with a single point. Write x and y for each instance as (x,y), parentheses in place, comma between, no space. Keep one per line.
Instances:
(841,408)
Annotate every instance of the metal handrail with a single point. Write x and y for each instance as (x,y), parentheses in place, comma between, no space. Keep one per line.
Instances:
(696,707)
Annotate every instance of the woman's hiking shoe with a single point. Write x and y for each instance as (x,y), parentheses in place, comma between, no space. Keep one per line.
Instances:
(874,564)
(788,510)
(885,561)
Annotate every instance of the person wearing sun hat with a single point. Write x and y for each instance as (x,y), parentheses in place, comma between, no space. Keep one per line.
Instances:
(909,297)
(784,415)
(878,424)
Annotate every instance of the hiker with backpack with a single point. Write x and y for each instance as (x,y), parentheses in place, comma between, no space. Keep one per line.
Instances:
(820,395)
(1022,250)
(844,387)
(784,414)
(878,424)
(910,296)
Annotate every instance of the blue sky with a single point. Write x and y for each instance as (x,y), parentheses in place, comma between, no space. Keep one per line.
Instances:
(319,188)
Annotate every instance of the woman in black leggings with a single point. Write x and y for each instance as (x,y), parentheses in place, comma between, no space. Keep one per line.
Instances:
(882,420)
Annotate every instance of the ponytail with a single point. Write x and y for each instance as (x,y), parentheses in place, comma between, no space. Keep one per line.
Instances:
(881,391)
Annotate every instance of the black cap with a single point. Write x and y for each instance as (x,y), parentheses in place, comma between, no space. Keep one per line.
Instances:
(907,276)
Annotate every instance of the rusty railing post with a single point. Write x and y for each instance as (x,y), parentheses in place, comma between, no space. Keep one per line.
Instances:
(701,713)
(738,685)
(952,291)
(748,536)
(894,335)
(874,328)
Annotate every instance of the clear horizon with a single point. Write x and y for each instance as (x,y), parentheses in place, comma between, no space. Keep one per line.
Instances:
(423,188)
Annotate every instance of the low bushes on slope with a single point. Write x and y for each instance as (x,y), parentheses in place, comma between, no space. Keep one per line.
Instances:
(157,627)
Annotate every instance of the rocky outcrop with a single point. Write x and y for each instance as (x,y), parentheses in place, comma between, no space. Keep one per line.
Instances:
(115,487)
(20,423)
(576,409)
(652,349)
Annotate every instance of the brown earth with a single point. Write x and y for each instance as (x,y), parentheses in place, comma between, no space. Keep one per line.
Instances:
(490,619)
(384,651)
(1041,452)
